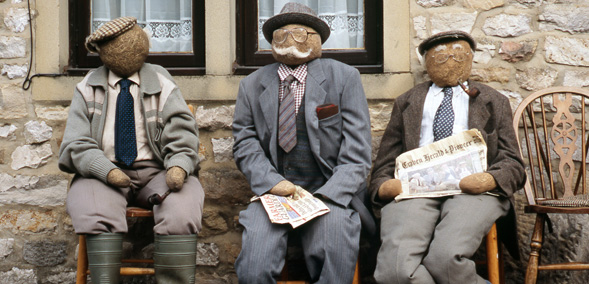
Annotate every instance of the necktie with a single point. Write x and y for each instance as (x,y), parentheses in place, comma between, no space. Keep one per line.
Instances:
(287,129)
(125,140)
(444,118)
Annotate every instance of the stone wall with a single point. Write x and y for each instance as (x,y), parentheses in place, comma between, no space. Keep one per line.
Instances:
(523,46)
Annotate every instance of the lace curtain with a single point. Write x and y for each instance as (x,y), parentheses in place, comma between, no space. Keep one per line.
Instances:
(344,17)
(168,22)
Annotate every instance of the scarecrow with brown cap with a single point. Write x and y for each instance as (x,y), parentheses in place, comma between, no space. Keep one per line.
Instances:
(431,240)
(302,121)
(130,139)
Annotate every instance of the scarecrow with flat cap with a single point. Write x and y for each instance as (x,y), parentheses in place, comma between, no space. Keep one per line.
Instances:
(302,121)
(430,240)
(130,136)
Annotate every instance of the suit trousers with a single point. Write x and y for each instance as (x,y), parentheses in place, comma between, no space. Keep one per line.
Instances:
(330,245)
(431,240)
(96,207)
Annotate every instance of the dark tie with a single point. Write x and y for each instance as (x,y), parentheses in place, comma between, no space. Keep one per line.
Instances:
(287,129)
(444,118)
(125,140)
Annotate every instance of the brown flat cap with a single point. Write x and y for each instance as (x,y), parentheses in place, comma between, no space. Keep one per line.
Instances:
(445,37)
(108,31)
(296,13)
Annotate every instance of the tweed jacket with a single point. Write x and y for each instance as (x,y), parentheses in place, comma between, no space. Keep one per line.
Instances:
(489,112)
(341,144)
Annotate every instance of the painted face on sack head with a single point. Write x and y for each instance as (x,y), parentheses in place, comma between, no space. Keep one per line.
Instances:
(295,44)
(446,63)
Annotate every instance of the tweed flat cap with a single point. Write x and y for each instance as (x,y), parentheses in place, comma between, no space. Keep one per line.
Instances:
(108,31)
(445,37)
(296,13)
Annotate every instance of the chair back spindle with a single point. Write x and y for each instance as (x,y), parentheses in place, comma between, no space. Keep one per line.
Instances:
(552,128)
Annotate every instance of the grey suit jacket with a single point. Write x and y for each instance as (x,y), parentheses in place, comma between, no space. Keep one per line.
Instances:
(489,112)
(341,143)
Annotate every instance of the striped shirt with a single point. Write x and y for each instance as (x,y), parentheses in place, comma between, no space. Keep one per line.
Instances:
(298,85)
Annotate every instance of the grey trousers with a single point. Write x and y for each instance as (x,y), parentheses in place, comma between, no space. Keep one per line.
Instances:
(431,240)
(96,207)
(330,246)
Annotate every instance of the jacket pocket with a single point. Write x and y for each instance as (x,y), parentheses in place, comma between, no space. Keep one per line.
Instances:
(327,122)
(158,135)
(491,140)
(330,138)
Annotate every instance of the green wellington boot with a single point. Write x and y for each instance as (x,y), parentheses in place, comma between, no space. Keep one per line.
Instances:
(104,257)
(175,259)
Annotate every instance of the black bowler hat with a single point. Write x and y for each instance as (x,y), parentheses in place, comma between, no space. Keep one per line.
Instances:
(444,37)
(296,13)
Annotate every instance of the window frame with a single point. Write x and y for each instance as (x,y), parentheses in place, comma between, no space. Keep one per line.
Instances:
(81,61)
(366,60)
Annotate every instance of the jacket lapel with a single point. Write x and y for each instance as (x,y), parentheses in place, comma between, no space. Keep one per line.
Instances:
(413,114)
(314,96)
(478,115)
(268,102)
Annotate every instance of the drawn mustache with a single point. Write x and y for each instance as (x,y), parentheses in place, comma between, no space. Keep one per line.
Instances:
(291,50)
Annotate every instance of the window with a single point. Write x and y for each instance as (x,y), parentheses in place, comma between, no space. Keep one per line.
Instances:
(176,28)
(356,32)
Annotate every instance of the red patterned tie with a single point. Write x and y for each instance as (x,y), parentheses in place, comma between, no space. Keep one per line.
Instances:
(287,129)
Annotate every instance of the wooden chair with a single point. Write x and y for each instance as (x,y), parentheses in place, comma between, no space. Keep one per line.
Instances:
(494,260)
(551,128)
(82,270)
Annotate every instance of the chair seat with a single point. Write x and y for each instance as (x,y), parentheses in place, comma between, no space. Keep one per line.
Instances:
(555,209)
(138,212)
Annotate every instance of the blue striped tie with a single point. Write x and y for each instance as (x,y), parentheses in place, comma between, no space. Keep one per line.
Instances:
(444,118)
(125,140)
(287,129)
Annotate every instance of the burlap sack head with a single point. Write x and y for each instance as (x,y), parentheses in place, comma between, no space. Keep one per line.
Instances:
(448,57)
(296,16)
(121,44)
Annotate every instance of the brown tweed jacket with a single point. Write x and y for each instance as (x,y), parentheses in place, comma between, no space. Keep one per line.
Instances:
(489,112)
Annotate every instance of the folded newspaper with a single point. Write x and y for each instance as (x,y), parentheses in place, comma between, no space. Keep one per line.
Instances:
(296,210)
(436,169)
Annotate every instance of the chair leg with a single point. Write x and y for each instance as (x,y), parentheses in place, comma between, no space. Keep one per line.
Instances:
(493,256)
(536,246)
(501,263)
(356,274)
(82,269)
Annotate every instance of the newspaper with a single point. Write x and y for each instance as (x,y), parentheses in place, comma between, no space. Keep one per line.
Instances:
(296,210)
(436,169)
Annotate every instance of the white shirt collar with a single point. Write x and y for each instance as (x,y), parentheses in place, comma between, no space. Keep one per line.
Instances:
(113,78)
(456,90)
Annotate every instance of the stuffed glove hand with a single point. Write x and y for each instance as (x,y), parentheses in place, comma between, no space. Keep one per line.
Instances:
(283,188)
(389,190)
(175,178)
(118,178)
(477,183)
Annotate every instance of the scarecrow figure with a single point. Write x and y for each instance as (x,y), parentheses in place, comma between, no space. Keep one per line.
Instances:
(302,121)
(431,240)
(130,136)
